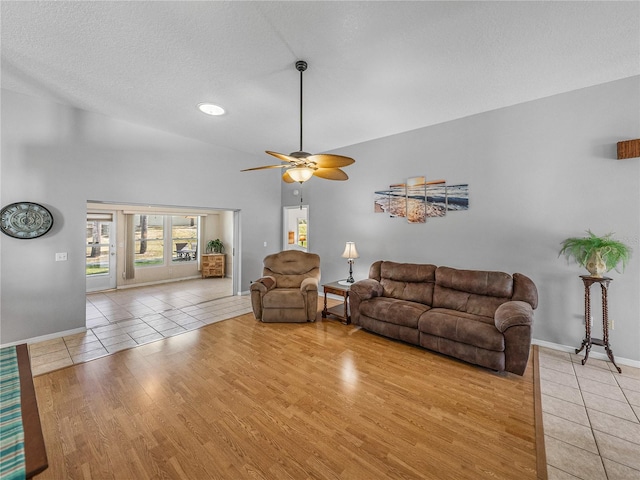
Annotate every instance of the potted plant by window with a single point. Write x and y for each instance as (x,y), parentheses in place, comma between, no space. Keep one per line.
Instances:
(598,254)
(215,246)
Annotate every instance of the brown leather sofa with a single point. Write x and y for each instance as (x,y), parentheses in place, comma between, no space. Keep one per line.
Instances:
(288,289)
(480,317)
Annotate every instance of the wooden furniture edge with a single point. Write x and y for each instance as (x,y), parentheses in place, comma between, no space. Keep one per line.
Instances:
(541,455)
(35,453)
(342,310)
(629,149)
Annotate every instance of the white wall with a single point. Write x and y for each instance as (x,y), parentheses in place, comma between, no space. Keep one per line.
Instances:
(538,172)
(61,157)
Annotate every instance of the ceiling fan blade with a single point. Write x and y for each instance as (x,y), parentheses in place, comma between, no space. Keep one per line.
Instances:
(283,157)
(325,160)
(324,165)
(331,174)
(263,168)
(286,177)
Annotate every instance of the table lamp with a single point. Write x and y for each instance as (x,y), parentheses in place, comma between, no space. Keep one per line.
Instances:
(350,253)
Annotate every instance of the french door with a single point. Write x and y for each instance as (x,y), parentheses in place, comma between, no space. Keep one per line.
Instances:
(100,252)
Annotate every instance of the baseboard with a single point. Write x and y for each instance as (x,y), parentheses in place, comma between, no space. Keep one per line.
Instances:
(332,296)
(44,338)
(592,354)
(155,282)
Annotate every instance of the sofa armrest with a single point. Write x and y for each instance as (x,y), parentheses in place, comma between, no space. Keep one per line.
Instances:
(263,285)
(513,313)
(360,291)
(258,289)
(366,289)
(309,284)
(309,290)
(514,320)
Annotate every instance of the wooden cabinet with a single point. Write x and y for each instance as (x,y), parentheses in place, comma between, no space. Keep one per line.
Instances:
(213,265)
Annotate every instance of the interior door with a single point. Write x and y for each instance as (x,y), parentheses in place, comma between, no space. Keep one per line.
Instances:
(296,228)
(100,252)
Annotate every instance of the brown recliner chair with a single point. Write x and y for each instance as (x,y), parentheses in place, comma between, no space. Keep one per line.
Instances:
(288,289)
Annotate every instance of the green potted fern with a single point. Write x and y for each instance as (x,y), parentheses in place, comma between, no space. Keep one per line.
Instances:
(215,246)
(598,254)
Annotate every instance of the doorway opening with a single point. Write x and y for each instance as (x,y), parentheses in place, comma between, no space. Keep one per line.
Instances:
(296,228)
(132,245)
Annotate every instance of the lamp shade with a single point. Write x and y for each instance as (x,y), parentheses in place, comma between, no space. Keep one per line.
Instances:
(300,174)
(350,250)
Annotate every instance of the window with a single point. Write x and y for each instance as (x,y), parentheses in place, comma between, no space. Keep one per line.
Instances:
(163,239)
(149,240)
(184,238)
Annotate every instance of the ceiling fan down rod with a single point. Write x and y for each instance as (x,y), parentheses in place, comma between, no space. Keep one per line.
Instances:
(301,66)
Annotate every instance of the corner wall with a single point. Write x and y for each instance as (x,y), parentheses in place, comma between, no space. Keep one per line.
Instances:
(61,157)
(538,172)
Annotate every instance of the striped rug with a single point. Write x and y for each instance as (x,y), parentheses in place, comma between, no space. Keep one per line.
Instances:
(11,432)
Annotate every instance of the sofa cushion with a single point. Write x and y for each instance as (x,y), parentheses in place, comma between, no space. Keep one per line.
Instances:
(462,327)
(524,290)
(408,281)
(283,298)
(468,353)
(392,310)
(494,284)
(399,332)
(476,292)
(290,267)
(466,302)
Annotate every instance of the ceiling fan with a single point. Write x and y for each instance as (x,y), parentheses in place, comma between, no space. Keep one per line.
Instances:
(301,166)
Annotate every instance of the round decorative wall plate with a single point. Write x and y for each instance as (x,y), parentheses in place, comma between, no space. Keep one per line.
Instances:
(25,220)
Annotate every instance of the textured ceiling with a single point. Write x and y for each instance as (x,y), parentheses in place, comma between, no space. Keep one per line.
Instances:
(375,68)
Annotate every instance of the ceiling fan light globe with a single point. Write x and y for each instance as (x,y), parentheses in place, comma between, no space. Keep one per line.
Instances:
(300,174)
(301,166)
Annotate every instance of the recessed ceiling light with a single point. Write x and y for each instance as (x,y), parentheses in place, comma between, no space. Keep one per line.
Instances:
(210,109)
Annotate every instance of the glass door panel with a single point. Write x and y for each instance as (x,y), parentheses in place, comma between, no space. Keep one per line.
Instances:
(100,255)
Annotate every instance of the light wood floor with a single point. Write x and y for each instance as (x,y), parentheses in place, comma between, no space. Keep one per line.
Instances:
(240,399)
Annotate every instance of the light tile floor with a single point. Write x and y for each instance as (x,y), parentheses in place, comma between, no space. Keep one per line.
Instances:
(121,319)
(591,417)
(590,413)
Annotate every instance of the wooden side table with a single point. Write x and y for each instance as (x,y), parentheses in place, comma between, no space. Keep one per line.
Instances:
(213,265)
(341,311)
(588,341)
